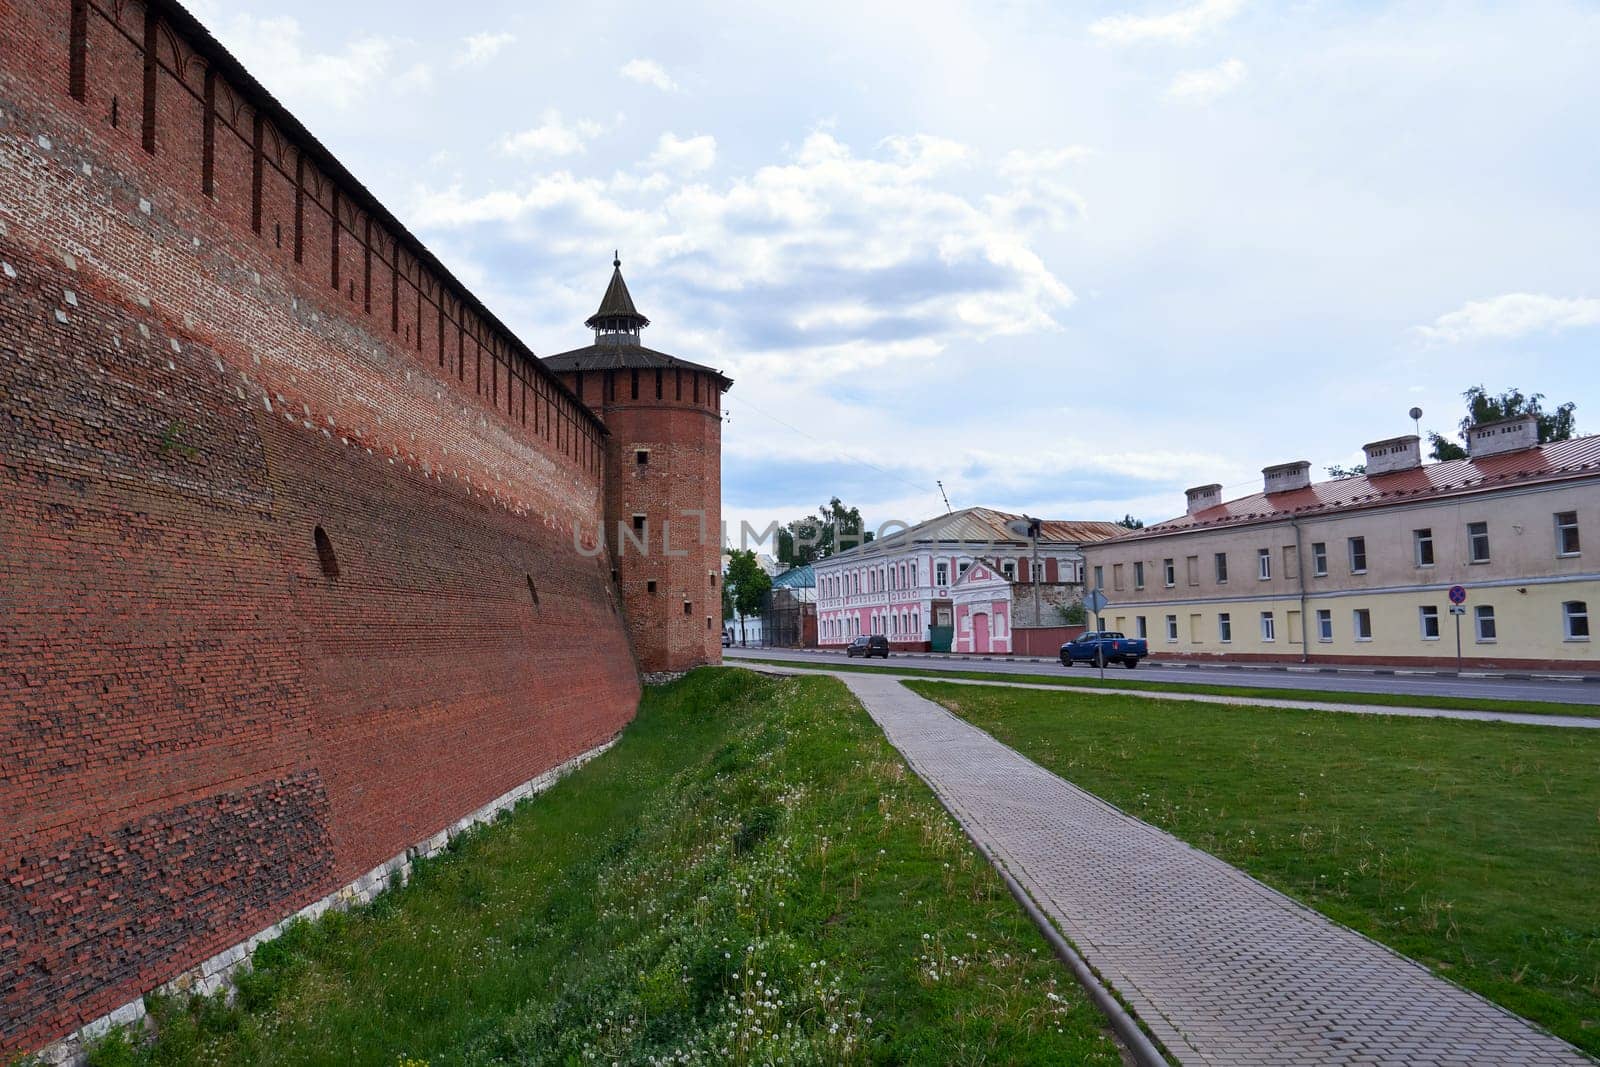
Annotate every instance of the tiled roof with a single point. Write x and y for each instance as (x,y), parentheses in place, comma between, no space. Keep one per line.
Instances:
(622,357)
(1554,462)
(983,526)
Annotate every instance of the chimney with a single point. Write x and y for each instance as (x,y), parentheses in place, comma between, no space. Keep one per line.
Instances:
(1507,435)
(1203,496)
(1286,476)
(1395,454)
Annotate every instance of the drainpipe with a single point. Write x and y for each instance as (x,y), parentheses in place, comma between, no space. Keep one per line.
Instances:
(1300,566)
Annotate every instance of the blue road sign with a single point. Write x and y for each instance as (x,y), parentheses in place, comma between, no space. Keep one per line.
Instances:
(1095,601)
(1458,594)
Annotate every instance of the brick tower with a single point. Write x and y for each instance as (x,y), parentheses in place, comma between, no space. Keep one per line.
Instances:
(663,481)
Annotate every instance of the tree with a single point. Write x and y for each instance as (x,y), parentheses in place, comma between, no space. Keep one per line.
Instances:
(1130,522)
(750,585)
(1074,614)
(1557,425)
(1336,471)
(809,538)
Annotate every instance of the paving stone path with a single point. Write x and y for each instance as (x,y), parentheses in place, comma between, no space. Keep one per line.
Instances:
(1222,969)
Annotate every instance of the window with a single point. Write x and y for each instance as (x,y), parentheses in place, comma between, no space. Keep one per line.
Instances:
(1225,627)
(1170,571)
(1172,627)
(1483,618)
(1191,568)
(1362,623)
(638,524)
(1099,578)
(1422,543)
(1269,629)
(708,617)
(1138,575)
(688,607)
(650,587)
(1575,613)
(1319,558)
(1478,542)
(1567,533)
(1358,555)
(1264,563)
(1116,577)
(943,571)
(1222,568)
(325,556)
(962,567)
(1324,625)
(1009,570)
(711,579)
(1428,619)
(641,457)
(533,591)
(1140,630)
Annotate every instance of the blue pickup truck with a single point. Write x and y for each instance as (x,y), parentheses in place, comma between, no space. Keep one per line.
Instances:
(1104,646)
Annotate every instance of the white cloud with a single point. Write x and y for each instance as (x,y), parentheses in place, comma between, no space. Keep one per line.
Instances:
(553,137)
(1205,85)
(479,48)
(686,155)
(1180,26)
(805,269)
(649,72)
(1512,315)
(275,50)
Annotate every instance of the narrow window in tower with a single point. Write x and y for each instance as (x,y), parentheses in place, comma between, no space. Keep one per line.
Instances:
(78,46)
(325,555)
(650,587)
(708,622)
(658,383)
(533,591)
(641,456)
(711,579)
(633,384)
(638,523)
(688,607)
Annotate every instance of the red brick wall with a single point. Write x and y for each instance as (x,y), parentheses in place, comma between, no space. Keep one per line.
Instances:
(682,432)
(202,732)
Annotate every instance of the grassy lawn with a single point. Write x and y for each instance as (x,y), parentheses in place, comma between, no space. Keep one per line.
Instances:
(751,876)
(1128,681)
(1472,847)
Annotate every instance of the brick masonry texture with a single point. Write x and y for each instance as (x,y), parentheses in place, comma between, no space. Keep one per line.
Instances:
(212,346)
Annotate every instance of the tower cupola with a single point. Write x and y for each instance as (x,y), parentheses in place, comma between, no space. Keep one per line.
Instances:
(617,321)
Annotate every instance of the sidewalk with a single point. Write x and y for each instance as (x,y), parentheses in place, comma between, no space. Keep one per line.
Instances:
(1220,968)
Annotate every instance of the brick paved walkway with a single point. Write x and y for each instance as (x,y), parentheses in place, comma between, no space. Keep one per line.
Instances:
(1221,968)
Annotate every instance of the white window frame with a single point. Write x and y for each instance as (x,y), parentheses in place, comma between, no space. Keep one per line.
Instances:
(1485,613)
(1169,571)
(1269,628)
(1425,614)
(1419,539)
(1563,527)
(1008,570)
(1325,626)
(1219,565)
(1141,628)
(1361,619)
(1319,559)
(941,573)
(1225,627)
(1264,564)
(1172,629)
(1568,616)
(1138,574)
(1350,550)
(1472,547)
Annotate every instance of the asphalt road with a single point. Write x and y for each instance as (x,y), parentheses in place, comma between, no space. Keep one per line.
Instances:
(1556,692)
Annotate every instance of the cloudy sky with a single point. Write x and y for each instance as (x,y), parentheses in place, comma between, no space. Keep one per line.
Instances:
(1069,259)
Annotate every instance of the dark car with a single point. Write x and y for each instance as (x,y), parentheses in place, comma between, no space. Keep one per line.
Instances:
(869,645)
(1105,646)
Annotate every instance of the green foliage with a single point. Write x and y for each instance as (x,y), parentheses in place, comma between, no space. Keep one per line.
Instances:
(1471,847)
(1557,425)
(751,876)
(1351,471)
(172,440)
(1130,522)
(1074,614)
(834,528)
(750,584)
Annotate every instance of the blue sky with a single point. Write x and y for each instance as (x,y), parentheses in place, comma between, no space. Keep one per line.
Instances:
(1069,259)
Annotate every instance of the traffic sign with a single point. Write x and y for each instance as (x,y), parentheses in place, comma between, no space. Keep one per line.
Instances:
(1458,594)
(1457,609)
(1095,601)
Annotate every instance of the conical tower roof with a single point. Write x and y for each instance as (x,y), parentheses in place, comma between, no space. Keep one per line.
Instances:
(617,312)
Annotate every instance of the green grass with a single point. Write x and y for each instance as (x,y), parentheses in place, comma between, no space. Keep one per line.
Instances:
(1391,700)
(1472,847)
(752,875)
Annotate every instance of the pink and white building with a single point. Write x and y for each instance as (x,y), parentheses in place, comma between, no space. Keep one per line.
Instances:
(916,585)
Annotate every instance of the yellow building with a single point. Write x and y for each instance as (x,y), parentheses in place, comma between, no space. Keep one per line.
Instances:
(1359,569)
